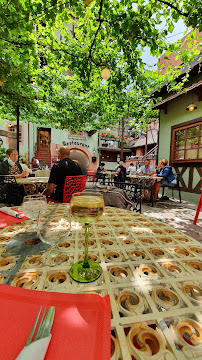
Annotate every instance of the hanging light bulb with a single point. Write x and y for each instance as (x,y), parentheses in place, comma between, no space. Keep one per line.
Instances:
(105,73)
(191,107)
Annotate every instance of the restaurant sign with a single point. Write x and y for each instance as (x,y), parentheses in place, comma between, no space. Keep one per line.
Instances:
(76,143)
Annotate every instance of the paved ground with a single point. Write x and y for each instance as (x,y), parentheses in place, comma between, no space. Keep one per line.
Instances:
(180,216)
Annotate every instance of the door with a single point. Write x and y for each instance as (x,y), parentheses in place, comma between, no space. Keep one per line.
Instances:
(43,140)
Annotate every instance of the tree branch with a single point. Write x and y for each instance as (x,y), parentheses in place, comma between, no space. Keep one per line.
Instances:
(174,7)
(17,43)
(100,24)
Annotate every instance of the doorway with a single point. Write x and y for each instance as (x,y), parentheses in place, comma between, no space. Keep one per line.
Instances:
(43,139)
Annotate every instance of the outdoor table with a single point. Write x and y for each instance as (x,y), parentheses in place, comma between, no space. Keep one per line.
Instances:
(152,272)
(147,182)
(113,196)
(32,185)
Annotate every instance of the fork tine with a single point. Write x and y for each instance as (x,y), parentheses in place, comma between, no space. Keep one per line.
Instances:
(51,322)
(47,324)
(37,336)
(33,329)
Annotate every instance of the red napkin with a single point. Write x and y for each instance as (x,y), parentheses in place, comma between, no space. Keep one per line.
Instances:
(81,328)
(6,220)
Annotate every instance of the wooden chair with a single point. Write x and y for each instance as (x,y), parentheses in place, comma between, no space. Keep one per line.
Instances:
(10,192)
(198,208)
(73,184)
(91,175)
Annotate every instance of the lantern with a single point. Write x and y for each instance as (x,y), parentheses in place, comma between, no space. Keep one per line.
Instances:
(105,73)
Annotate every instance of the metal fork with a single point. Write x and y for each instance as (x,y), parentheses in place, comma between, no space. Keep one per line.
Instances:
(44,327)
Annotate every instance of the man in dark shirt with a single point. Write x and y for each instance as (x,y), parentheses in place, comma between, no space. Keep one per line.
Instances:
(64,167)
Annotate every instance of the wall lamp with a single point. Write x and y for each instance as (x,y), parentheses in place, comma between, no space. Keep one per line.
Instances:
(191,107)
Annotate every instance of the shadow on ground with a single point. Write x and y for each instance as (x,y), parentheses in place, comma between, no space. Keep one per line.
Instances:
(180,216)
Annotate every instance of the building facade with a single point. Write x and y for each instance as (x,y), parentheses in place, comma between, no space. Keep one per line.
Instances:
(87,148)
(180,135)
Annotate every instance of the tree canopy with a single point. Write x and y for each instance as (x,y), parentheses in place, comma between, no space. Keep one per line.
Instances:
(52,53)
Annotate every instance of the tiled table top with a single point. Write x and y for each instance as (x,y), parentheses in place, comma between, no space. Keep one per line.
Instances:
(152,272)
(32,180)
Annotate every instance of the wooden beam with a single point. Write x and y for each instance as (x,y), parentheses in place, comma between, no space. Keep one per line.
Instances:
(8,134)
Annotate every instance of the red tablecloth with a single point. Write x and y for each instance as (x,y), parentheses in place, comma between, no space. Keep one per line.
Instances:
(81,328)
(6,220)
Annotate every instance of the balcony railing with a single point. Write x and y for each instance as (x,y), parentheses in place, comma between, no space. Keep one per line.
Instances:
(113,143)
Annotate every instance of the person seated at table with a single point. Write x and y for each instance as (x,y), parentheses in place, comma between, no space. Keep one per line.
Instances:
(168,178)
(116,167)
(62,168)
(121,173)
(131,169)
(24,166)
(34,165)
(100,173)
(11,166)
(146,169)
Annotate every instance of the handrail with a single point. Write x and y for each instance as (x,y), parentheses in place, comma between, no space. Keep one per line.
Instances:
(150,151)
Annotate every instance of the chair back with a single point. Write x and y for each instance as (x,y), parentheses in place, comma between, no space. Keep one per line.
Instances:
(73,184)
(10,192)
(42,173)
(177,177)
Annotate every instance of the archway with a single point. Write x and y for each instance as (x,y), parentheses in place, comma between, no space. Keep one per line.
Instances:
(81,156)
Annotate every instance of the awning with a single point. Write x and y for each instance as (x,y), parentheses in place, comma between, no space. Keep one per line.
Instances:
(169,98)
(152,137)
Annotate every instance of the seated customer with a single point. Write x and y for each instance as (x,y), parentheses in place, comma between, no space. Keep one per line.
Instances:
(34,165)
(168,178)
(62,168)
(121,173)
(24,166)
(100,173)
(131,169)
(146,169)
(11,166)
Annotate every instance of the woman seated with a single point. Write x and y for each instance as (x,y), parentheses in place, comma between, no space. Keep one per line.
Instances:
(121,173)
(11,166)
(168,178)
(100,174)
(24,166)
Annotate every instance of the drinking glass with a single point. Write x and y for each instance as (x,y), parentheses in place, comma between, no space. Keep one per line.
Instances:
(86,207)
(33,206)
(54,229)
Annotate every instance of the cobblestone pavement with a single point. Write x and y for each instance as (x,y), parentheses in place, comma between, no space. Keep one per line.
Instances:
(180,216)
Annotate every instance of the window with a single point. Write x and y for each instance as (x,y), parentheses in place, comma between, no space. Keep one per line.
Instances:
(187,143)
(13,129)
(81,134)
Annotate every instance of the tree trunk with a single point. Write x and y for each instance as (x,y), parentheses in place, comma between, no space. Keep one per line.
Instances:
(18,130)
(122,138)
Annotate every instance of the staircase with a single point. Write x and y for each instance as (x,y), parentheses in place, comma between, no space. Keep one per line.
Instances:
(44,158)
